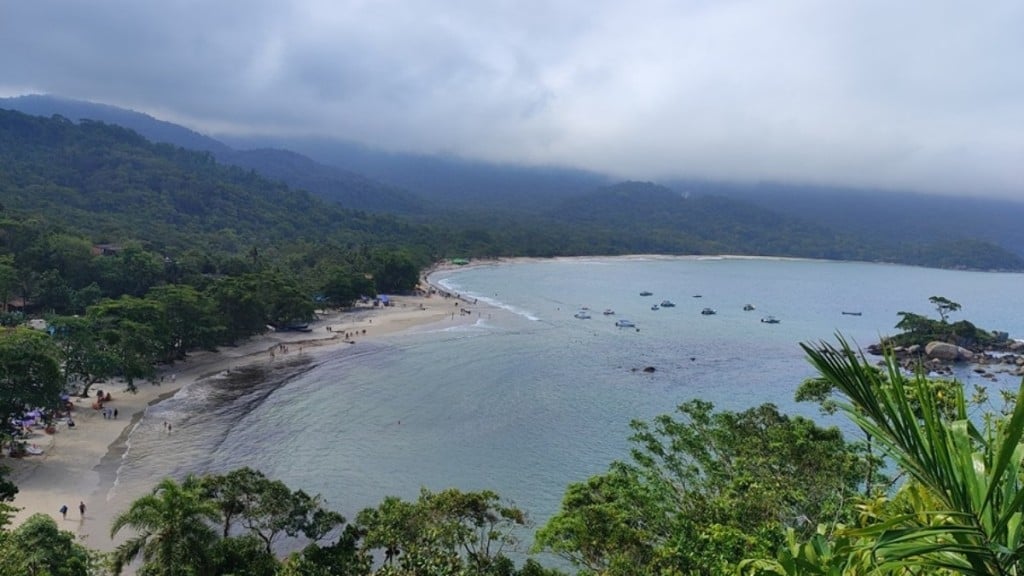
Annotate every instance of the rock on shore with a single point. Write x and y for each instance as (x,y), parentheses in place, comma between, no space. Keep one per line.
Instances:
(939,357)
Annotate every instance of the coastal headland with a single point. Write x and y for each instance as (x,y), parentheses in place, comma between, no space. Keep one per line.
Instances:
(75,463)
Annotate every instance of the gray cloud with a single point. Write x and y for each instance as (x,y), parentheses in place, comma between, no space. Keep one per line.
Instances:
(916,95)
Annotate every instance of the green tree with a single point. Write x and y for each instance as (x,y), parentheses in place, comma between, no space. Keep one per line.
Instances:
(267,508)
(190,317)
(134,330)
(72,256)
(86,357)
(703,491)
(30,373)
(243,554)
(447,532)
(52,293)
(132,271)
(8,490)
(395,272)
(345,557)
(8,280)
(916,324)
(38,547)
(285,300)
(343,287)
(240,307)
(944,306)
(960,508)
(173,531)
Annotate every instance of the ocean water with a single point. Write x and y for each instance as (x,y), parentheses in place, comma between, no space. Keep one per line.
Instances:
(528,399)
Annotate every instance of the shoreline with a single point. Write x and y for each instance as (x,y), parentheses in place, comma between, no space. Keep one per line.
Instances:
(84,462)
(81,464)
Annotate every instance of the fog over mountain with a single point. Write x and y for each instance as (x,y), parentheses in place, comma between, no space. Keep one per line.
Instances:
(362,178)
(907,96)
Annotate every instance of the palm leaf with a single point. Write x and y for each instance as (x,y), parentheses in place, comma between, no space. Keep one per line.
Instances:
(973,476)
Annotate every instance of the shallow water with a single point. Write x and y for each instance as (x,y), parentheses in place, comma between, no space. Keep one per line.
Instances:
(529,399)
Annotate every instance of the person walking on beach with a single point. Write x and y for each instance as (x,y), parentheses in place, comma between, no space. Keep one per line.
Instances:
(64,511)
(81,509)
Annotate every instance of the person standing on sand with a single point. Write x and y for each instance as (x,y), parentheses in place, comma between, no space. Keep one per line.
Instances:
(81,509)
(64,511)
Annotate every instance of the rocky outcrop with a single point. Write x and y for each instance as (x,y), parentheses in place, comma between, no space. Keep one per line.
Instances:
(939,358)
(941,351)
(947,352)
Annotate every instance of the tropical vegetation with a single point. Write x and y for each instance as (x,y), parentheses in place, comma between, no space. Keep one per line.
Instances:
(920,330)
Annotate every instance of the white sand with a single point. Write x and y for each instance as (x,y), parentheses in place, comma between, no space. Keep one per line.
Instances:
(68,471)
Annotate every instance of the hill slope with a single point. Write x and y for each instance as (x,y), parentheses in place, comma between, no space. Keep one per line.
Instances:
(481,209)
(664,220)
(348,189)
(885,216)
(109,183)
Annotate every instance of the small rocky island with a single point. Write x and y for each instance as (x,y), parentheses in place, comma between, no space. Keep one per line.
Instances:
(937,345)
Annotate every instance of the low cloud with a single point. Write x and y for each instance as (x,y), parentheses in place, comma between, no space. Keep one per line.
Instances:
(920,96)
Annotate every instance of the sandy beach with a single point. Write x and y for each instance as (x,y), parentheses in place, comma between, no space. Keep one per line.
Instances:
(75,463)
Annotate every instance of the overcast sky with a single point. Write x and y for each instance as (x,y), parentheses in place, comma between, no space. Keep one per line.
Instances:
(924,96)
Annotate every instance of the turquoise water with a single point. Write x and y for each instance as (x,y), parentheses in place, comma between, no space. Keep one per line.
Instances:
(528,398)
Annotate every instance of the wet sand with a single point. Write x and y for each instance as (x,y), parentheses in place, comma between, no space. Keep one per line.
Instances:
(80,464)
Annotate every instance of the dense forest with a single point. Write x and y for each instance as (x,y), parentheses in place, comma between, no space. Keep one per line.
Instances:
(484,210)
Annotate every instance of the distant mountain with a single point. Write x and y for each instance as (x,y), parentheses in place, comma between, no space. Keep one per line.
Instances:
(152,128)
(709,224)
(485,209)
(347,188)
(110,184)
(448,182)
(886,216)
(666,220)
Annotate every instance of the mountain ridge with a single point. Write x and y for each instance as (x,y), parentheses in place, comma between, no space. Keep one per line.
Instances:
(508,210)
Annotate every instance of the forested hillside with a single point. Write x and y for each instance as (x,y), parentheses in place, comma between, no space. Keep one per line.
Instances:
(348,189)
(883,215)
(663,220)
(454,207)
(110,184)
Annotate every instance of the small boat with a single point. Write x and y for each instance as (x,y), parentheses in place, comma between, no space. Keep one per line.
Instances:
(623,323)
(748,307)
(582,315)
(646,293)
(851,313)
(667,304)
(655,307)
(770,320)
(608,312)
(697,296)
(708,311)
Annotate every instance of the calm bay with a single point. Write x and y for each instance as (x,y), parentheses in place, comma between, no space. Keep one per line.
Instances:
(528,398)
